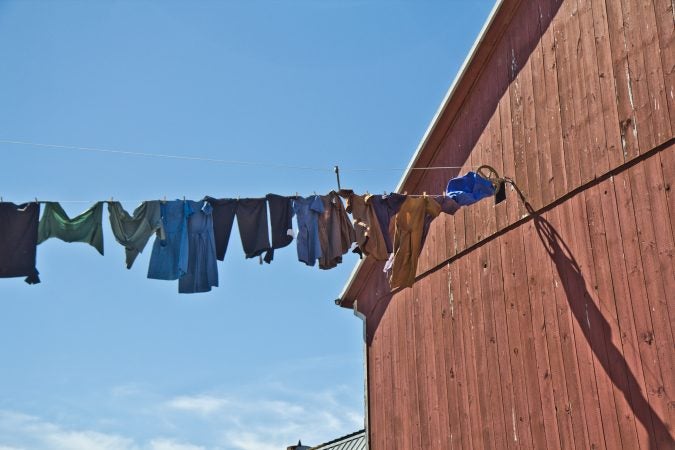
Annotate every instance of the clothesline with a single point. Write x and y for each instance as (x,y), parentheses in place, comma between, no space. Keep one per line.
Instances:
(220,161)
(191,235)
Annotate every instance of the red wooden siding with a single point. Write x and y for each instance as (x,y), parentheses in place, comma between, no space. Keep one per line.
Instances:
(551,329)
(555,334)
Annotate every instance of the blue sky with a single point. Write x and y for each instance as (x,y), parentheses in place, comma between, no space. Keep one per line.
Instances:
(99,357)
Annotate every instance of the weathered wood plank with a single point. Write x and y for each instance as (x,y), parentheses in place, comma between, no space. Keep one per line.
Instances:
(463,302)
(438,312)
(612,359)
(633,384)
(460,363)
(638,86)
(540,124)
(520,414)
(502,342)
(553,107)
(656,295)
(575,408)
(457,436)
(664,11)
(491,367)
(597,329)
(627,122)
(477,328)
(607,84)
(656,84)
(565,46)
(539,292)
(553,339)
(643,319)
(595,123)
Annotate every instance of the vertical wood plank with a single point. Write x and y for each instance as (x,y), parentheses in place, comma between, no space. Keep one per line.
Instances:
(477,328)
(627,122)
(438,314)
(638,292)
(613,361)
(656,85)
(664,11)
(595,325)
(491,368)
(539,292)
(553,107)
(553,339)
(573,377)
(503,345)
(419,367)
(521,413)
(375,394)
(633,386)
(460,371)
(607,85)
(595,123)
(457,436)
(577,296)
(540,125)
(564,52)
(638,87)
(463,302)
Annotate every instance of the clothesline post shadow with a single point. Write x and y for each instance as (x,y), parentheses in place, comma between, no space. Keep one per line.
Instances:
(589,316)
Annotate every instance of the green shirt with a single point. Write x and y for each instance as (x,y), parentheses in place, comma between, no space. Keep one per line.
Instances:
(86,227)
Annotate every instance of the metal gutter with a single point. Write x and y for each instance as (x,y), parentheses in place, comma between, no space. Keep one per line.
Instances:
(431,128)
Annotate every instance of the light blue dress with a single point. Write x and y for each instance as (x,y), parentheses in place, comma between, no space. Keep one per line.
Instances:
(202,271)
(169,258)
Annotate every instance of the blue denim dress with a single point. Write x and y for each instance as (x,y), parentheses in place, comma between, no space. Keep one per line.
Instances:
(169,258)
(202,270)
(307,211)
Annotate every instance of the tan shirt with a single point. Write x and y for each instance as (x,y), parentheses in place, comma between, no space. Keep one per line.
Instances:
(369,236)
(408,237)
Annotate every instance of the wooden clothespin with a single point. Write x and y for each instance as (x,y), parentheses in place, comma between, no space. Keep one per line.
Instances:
(424,194)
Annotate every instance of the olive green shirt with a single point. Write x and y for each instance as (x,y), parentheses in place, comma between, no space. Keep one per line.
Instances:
(86,227)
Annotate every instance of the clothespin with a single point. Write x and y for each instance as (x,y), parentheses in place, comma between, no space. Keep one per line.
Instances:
(424,194)
(165,199)
(36,200)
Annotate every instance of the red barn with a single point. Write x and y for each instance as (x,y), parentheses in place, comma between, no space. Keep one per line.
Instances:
(549,327)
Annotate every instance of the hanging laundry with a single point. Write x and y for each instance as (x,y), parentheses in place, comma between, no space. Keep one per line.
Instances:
(18,240)
(281,222)
(169,258)
(336,233)
(202,271)
(368,232)
(224,211)
(386,207)
(408,236)
(448,206)
(134,231)
(307,211)
(470,188)
(86,227)
(252,224)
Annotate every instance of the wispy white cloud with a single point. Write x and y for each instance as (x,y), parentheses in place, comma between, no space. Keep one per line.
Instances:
(169,444)
(201,404)
(21,431)
(251,421)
